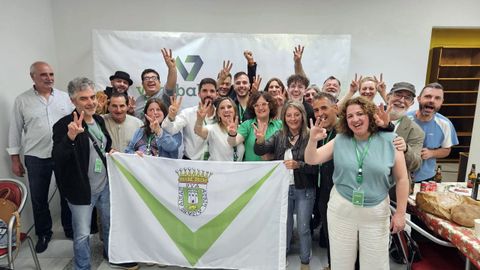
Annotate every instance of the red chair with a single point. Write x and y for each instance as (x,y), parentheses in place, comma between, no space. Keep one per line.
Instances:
(18,195)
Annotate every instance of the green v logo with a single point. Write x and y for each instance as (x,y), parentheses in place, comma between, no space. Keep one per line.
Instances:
(193,245)
(197,64)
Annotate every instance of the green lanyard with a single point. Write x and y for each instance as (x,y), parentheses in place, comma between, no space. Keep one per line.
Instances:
(328,137)
(360,158)
(97,133)
(241,111)
(149,143)
(398,122)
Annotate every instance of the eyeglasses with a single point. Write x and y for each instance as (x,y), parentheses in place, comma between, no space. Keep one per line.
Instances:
(260,105)
(152,78)
(407,98)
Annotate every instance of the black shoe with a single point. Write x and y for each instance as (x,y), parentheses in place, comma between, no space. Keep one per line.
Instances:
(69,235)
(42,243)
(129,266)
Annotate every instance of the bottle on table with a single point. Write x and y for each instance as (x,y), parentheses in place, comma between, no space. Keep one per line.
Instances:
(438,175)
(471,177)
(476,187)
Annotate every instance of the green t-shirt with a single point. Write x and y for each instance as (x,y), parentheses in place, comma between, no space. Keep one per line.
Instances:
(377,167)
(246,130)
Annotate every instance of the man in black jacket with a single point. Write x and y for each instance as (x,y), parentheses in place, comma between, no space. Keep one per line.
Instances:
(80,141)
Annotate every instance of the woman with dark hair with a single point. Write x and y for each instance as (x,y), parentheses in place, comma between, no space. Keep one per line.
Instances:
(216,134)
(151,139)
(367,165)
(264,108)
(288,144)
(276,88)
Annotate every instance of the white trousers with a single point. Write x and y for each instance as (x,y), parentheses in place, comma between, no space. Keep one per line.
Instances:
(367,226)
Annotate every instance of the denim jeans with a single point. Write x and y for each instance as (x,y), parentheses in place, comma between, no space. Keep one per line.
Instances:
(301,201)
(39,176)
(81,218)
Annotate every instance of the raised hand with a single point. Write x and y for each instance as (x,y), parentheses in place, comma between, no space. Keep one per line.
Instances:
(227,67)
(232,126)
(154,124)
(382,117)
(381,87)
(317,132)
(355,84)
(280,100)
(203,109)
(131,105)
(75,127)
(297,53)
(260,129)
(256,83)
(249,56)
(175,105)
(168,57)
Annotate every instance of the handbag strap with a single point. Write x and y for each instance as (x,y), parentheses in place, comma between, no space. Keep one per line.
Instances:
(97,148)
(7,192)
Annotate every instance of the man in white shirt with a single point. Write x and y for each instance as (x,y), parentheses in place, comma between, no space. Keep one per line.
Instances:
(119,124)
(34,113)
(195,148)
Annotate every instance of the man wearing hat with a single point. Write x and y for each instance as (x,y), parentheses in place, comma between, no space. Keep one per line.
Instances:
(410,135)
(120,82)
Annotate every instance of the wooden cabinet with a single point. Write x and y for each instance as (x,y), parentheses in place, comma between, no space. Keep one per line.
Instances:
(458,70)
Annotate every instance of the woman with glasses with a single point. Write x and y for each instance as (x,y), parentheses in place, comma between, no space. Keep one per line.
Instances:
(216,134)
(264,108)
(151,139)
(367,165)
(288,144)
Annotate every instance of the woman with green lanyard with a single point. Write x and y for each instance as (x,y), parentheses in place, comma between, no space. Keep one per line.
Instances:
(265,109)
(151,139)
(366,166)
(216,134)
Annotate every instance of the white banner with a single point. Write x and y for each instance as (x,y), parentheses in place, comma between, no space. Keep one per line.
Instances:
(200,55)
(198,214)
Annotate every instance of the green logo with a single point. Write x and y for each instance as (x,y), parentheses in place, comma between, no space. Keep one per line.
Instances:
(193,245)
(197,64)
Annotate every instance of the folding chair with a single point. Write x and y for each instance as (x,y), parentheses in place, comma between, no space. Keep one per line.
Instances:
(18,195)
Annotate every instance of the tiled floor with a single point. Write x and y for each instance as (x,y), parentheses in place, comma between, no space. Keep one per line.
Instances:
(59,255)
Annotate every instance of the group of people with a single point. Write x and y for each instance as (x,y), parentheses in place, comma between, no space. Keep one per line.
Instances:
(346,158)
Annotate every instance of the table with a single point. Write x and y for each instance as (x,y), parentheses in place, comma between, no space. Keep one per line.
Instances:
(462,238)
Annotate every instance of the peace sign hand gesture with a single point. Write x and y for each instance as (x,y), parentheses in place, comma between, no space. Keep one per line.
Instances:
(154,124)
(260,130)
(355,84)
(256,83)
(168,57)
(232,127)
(203,109)
(75,127)
(381,86)
(317,132)
(382,117)
(174,107)
(227,67)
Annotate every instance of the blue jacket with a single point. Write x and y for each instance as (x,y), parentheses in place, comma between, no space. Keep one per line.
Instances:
(167,144)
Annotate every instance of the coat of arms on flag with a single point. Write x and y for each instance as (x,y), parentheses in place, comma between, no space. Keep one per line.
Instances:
(192,190)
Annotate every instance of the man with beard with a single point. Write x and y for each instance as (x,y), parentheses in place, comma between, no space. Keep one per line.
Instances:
(34,113)
(410,135)
(151,84)
(195,148)
(120,126)
(440,134)
(120,82)
(80,142)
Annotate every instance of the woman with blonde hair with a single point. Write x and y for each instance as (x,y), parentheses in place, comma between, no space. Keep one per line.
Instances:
(288,144)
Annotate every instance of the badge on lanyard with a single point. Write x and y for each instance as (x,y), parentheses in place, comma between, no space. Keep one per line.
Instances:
(98,165)
(358,197)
